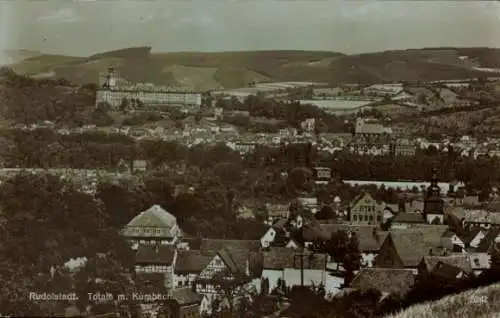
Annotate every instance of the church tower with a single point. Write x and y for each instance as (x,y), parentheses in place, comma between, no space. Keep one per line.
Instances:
(434,204)
(110,81)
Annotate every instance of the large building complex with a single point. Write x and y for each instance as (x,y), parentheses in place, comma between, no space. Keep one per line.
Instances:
(113,90)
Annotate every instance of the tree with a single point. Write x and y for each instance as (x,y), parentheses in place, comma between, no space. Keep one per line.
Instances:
(300,179)
(325,213)
(124,105)
(100,118)
(234,296)
(54,222)
(352,259)
(264,286)
(495,259)
(320,127)
(337,246)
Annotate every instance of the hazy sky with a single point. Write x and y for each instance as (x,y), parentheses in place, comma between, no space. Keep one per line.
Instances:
(87,27)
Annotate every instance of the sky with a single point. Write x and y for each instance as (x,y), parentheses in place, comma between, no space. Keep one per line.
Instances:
(85,27)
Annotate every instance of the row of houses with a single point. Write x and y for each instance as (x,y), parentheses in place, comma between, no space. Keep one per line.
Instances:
(276,258)
(401,251)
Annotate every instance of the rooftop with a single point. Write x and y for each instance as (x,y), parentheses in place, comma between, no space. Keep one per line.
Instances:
(154,255)
(393,281)
(191,261)
(155,216)
(278,258)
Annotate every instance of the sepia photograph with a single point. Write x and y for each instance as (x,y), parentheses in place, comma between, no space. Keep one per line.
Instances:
(249,159)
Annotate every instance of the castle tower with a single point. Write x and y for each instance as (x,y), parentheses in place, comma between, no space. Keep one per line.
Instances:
(111,78)
(434,204)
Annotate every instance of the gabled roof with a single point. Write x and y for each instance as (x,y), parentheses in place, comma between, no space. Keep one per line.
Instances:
(235,253)
(231,263)
(190,261)
(280,224)
(414,205)
(471,235)
(488,240)
(214,245)
(365,195)
(155,216)
(461,261)
(408,218)
(394,281)
(279,258)
(185,296)
(154,254)
(446,271)
(412,245)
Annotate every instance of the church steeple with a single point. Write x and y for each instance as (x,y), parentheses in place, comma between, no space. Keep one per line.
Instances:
(434,204)
(434,190)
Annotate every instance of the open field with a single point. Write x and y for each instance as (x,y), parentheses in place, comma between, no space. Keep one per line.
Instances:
(238,69)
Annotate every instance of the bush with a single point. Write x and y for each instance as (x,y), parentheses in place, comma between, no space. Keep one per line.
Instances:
(141,119)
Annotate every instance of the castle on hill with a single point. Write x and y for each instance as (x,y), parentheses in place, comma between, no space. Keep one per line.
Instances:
(113,89)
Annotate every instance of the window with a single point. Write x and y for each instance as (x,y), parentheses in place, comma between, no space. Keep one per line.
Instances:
(370,218)
(158,232)
(378,218)
(355,217)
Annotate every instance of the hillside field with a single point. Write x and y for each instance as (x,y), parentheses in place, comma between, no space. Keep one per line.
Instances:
(205,71)
(478,303)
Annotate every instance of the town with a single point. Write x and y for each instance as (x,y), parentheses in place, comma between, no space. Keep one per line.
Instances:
(221,218)
(174,159)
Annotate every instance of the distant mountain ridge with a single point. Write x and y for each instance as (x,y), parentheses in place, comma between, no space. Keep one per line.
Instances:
(206,70)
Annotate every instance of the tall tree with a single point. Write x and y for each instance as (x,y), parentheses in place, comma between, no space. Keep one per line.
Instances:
(352,258)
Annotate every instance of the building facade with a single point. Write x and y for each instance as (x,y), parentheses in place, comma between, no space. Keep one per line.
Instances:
(153,226)
(364,209)
(148,95)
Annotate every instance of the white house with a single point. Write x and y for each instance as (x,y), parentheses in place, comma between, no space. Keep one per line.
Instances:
(480,261)
(153,226)
(452,242)
(285,264)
